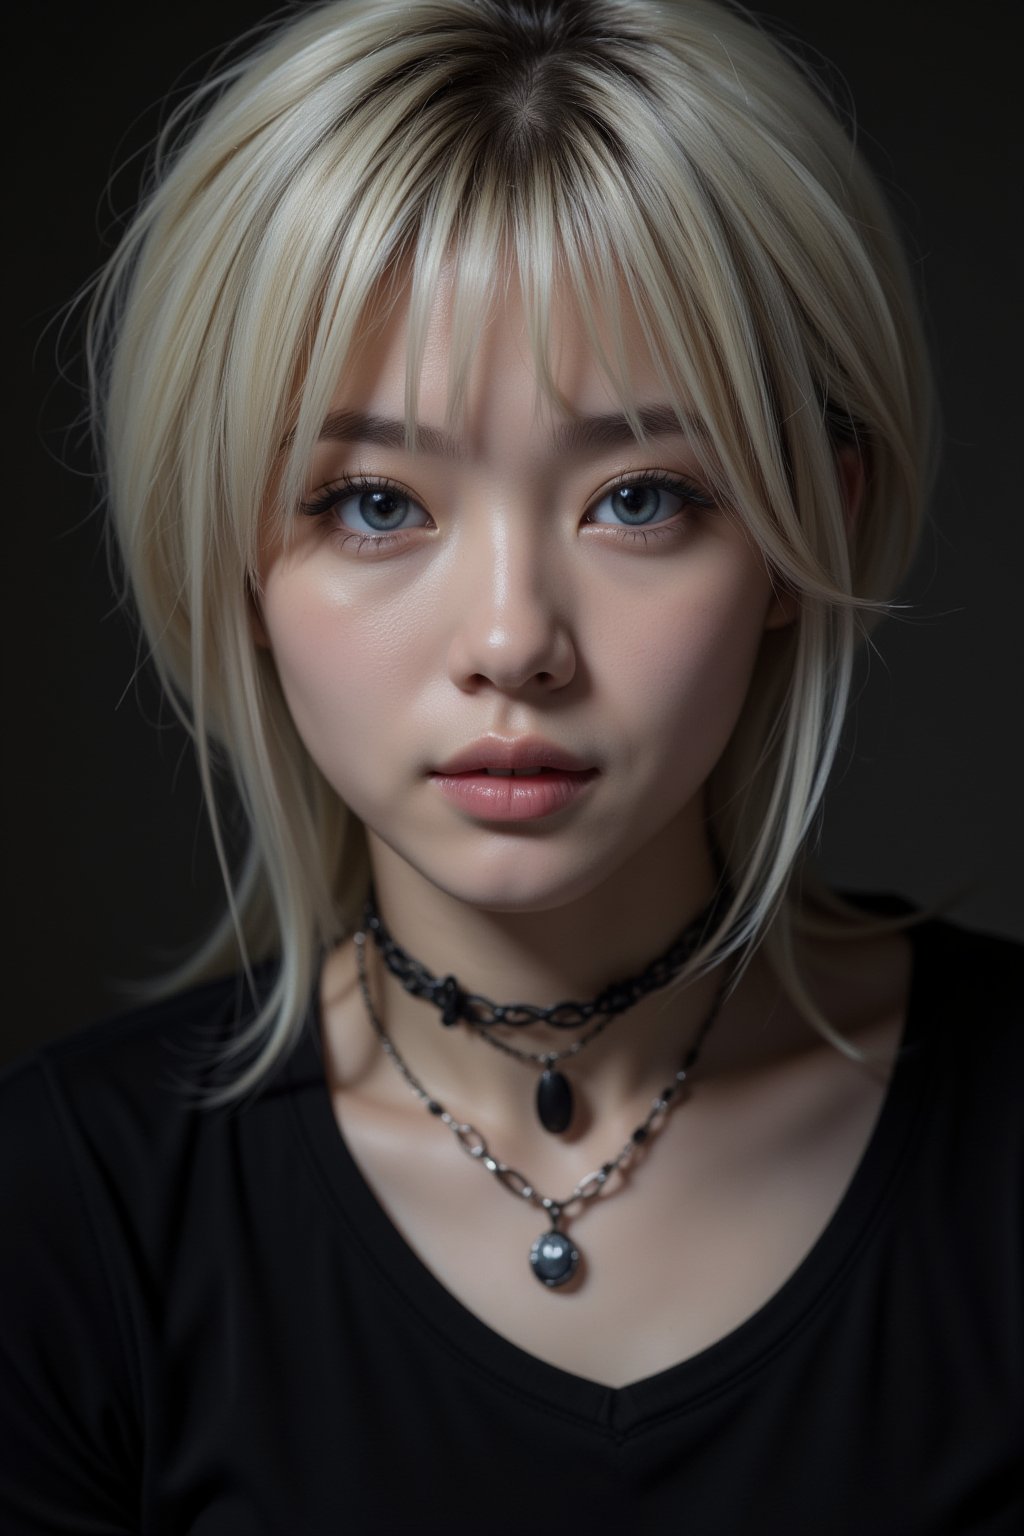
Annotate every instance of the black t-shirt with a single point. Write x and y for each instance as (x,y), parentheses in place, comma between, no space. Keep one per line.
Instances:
(210,1325)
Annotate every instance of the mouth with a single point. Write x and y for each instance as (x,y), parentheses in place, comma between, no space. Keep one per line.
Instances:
(513,779)
(524,757)
(526,794)
(517,773)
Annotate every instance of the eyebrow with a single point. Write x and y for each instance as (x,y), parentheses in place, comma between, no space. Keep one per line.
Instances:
(607,431)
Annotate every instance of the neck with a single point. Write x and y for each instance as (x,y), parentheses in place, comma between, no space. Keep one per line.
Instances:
(567,951)
(570,945)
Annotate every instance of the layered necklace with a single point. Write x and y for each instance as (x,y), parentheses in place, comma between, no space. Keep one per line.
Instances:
(554,1257)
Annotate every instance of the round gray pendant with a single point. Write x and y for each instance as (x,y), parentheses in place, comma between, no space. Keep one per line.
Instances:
(554,1257)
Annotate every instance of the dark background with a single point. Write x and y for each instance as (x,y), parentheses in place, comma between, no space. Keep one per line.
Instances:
(107,861)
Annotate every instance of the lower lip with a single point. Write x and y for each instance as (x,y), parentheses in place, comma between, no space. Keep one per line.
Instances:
(513,799)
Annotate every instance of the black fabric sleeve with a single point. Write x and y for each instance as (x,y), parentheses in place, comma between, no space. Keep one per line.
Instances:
(70,1441)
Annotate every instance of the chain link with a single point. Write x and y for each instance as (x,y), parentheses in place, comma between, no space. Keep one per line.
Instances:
(474,1144)
(544,1058)
(455,1004)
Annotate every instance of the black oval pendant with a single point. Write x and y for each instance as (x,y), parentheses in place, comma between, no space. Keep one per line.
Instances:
(554,1258)
(554,1101)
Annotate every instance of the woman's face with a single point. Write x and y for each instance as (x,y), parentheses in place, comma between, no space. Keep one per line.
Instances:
(575,587)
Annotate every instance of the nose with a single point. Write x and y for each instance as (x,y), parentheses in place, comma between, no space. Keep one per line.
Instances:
(510,630)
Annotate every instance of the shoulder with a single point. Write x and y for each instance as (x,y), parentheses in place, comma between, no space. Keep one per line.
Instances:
(126,1079)
(99,1156)
(964,1045)
(966,1016)
(969,981)
(134,1034)
(963,1024)
(955,966)
(103,1144)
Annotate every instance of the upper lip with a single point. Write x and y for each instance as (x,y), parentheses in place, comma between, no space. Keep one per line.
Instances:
(515,752)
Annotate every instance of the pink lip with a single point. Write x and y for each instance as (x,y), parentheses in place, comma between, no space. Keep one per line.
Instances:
(513,799)
(464,781)
(516,752)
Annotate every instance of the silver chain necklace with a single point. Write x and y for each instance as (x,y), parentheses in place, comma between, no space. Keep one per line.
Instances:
(554,1257)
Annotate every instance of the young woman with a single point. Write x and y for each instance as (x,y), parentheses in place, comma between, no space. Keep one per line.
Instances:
(514,416)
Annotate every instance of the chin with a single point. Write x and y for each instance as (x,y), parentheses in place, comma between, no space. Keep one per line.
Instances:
(508,872)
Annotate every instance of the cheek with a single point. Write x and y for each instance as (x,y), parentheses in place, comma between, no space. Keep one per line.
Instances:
(364,678)
(342,668)
(684,664)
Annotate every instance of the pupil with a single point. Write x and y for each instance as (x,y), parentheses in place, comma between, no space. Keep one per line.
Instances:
(636,502)
(380,507)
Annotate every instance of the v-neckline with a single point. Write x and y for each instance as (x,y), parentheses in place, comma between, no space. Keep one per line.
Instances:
(625,1409)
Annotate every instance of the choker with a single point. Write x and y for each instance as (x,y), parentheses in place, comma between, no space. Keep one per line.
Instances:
(554,1098)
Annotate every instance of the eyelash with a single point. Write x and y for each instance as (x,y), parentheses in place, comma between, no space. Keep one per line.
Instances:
(321,505)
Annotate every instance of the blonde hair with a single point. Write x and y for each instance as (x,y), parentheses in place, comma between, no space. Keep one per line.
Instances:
(668,151)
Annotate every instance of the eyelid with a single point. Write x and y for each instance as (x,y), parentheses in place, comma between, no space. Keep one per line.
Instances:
(630,473)
(333,492)
(679,483)
(692,478)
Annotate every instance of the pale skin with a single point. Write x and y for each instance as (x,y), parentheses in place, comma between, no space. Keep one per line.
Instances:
(510,605)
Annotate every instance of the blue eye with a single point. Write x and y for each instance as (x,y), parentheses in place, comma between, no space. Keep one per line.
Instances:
(377,512)
(648,499)
(369,507)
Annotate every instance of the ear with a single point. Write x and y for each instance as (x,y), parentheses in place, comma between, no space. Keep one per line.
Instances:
(850,467)
(852,479)
(783,608)
(257,627)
